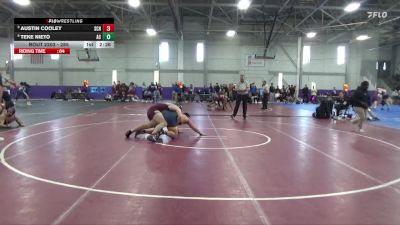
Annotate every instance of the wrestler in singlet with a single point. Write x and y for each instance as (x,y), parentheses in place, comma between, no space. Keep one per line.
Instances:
(157,107)
(7,100)
(7,114)
(171,117)
(156,118)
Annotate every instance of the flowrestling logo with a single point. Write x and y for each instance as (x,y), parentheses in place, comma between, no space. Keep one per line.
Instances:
(380,15)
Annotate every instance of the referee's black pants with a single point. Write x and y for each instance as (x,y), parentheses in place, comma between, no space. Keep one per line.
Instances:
(241,98)
(265,101)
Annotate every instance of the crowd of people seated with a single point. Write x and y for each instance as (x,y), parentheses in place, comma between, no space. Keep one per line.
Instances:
(284,94)
(393,81)
(396,94)
(384,99)
(220,96)
(217,95)
(182,93)
(72,94)
(123,92)
(153,92)
(338,104)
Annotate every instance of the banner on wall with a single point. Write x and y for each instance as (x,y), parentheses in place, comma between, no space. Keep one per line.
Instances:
(251,61)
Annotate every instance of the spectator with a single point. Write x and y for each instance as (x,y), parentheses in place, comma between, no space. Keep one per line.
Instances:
(191,93)
(205,90)
(386,101)
(306,93)
(334,92)
(114,89)
(272,92)
(132,92)
(265,96)
(314,92)
(253,93)
(395,93)
(230,91)
(360,101)
(156,94)
(292,91)
(217,88)
(160,89)
(211,89)
(341,103)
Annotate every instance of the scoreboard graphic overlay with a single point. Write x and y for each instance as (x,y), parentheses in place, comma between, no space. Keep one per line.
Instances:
(60,35)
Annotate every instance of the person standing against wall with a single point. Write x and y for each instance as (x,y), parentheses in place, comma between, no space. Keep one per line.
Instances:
(242,96)
(360,102)
(265,96)
(191,93)
(272,93)
(334,92)
(156,94)
(314,93)
(306,97)
(175,92)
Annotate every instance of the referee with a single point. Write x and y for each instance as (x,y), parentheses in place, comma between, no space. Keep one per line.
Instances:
(242,90)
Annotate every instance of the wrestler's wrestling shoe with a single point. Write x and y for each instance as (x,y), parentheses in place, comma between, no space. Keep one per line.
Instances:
(164,131)
(139,132)
(154,139)
(128,133)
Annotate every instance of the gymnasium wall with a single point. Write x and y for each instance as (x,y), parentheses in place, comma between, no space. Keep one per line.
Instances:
(135,60)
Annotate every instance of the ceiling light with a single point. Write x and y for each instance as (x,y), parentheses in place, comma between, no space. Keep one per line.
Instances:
(22,2)
(151,32)
(362,37)
(243,4)
(311,34)
(231,33)
(352,7)
(134,3)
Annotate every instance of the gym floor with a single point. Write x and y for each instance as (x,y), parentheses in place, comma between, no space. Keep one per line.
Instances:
(71,164)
